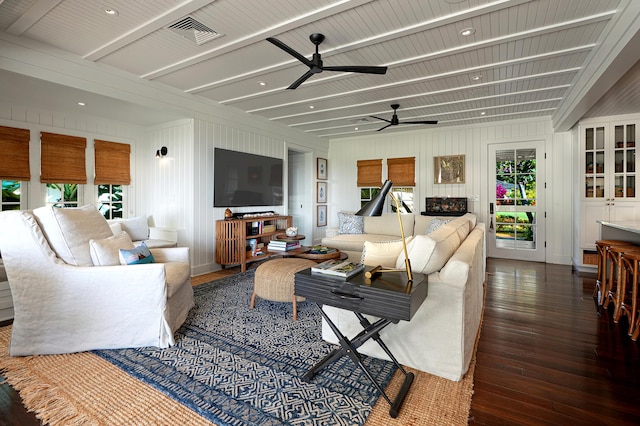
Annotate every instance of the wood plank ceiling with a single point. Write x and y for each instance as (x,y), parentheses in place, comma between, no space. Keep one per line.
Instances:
(523,58)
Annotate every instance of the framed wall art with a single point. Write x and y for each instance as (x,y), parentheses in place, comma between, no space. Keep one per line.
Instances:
(321,192)
(322,215)
(322,168)
(448,169)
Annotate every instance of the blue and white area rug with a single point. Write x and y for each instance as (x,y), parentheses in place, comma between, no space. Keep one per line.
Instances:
(239,366)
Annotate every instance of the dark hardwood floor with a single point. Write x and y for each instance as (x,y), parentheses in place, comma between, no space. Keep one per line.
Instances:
(545,356)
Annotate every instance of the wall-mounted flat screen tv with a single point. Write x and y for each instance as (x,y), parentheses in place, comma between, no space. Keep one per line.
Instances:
(242,179)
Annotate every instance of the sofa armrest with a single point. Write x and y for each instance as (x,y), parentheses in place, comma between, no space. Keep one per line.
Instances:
(162,233)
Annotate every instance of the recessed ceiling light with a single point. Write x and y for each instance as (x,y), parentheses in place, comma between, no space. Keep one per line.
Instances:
(82,103)
(476,77)
(483,113)
(111,12)
(262,83)
(467,32)
(311,107)
(355,128)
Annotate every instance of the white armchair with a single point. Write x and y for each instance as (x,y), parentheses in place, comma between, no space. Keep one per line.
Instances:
(64,304)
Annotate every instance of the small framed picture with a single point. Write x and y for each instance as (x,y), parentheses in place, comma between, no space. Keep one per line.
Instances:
(322,215)
(322,168)
(448,169)
(322,192)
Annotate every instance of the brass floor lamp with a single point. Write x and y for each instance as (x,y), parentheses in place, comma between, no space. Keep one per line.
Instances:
(374,208)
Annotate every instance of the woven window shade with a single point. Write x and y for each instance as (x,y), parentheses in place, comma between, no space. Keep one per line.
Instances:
(112,163)
(14,146)
(62,159)
(402,171)
(370,173)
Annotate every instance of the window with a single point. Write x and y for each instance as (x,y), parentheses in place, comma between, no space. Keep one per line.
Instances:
(405,199)
(62,194)
(110,200)
(12,195)
(368,194)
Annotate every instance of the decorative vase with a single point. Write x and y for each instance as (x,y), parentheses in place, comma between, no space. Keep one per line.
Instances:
(228,213)
(292,231)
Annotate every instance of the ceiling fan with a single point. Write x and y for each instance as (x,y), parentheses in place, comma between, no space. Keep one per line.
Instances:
(315,64)
(394,120)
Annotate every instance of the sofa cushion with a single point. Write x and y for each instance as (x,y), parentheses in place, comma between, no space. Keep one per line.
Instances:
(387,224)
(383,253)
(137,255)
(116,228)
(349,223)
(435,224)
(3,272)
(106,252)
(69,230)
(176,274)
(429,253)
(137,227)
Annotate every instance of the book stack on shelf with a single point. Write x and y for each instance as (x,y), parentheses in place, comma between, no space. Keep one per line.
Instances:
(254,247)
(337,268)
(282,245)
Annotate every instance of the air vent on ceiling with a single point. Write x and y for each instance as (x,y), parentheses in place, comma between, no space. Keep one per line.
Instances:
(193,30)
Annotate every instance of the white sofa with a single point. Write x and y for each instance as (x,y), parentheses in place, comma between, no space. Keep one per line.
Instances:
(6,301)
(441,336)
(139,230)
(63,303)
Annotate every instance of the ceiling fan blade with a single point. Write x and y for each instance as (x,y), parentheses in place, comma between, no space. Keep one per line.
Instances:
(301,80)
(379,118)
(290,51)
(355,68)
(420,122)
(382,128)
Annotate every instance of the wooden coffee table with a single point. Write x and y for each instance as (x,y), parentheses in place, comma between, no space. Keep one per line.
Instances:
(303,252)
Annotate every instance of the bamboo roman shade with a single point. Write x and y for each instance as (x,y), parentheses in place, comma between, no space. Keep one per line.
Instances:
(370,173)
(14,146)
(402,171)
(62,159)
(112,163)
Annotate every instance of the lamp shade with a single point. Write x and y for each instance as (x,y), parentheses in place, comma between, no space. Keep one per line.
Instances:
(375,206)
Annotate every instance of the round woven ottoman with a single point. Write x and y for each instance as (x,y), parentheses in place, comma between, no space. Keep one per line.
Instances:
(274,280)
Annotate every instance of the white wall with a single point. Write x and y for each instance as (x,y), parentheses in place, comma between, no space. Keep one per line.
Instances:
(38,120)
(472,141)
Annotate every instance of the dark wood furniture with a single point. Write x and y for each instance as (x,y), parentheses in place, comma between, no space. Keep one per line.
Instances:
(233,235)
(389,297)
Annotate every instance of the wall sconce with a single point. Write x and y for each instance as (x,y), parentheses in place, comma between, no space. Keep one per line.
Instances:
(162,152)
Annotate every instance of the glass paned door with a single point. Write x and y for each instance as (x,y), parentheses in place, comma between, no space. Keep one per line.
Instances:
(516,230)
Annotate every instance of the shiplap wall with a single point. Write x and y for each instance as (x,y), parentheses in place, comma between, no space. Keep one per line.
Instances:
(473,142)
(178,189)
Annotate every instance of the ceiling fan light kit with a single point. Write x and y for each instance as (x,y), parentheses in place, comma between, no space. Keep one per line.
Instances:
(316,65)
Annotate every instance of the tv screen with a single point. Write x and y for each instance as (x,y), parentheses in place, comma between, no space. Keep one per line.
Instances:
(242,179)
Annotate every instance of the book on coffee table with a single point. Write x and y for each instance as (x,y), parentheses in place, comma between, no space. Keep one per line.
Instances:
(337,268)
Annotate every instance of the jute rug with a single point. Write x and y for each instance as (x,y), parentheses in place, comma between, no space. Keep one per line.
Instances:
(82,389)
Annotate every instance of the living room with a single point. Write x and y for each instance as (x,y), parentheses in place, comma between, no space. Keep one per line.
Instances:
(177,190)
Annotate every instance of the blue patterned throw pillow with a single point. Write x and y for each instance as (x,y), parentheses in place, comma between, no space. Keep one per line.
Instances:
(349,223)
(134,256)
(435,224)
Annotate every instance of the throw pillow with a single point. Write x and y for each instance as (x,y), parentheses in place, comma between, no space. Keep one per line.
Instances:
(435,224)
(136,227)
(383,253)
(137,255)
(106,252)
(69,230)
(349,223)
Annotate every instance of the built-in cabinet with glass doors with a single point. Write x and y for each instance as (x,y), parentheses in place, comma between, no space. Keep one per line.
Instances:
(609,179)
